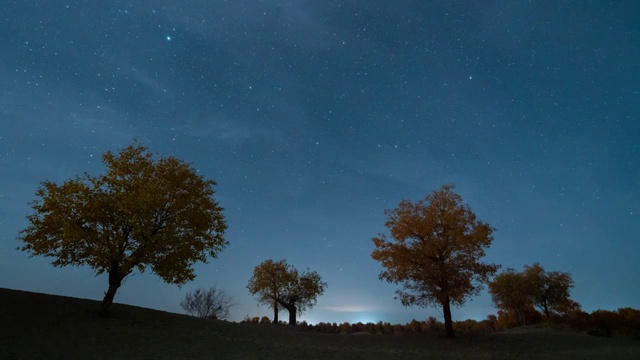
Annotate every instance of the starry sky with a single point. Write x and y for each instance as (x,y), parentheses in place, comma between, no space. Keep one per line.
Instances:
(316,116)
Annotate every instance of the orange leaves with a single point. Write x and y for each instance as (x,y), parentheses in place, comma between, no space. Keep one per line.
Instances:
(548,291)
(140,213)
(434,250)
(277,283)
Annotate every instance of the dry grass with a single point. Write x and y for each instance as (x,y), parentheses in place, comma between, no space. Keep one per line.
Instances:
(39,326)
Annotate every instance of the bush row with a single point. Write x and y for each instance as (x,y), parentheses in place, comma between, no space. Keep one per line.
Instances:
(624,322)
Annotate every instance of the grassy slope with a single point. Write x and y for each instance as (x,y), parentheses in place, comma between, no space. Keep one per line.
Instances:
(34,326)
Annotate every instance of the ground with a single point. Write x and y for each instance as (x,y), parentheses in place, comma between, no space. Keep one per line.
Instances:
(39,326)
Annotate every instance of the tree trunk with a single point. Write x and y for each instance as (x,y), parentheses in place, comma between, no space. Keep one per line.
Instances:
(448,324)
(115,280)
(522,318)
(546,312)
(107,301)
(292,315)
(275,312)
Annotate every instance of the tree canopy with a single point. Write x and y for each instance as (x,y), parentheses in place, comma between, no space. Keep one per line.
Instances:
(143,213)
(551,290)
(434,252)
(278,284)
(533,287)
(268,281)
(510,291)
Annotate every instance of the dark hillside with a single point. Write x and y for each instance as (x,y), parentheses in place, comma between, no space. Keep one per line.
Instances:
(39,326)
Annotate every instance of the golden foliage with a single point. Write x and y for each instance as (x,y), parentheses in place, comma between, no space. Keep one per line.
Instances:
(141,214)
(269,281)
(511,293)
(434,250)
(521,291)
(278,284)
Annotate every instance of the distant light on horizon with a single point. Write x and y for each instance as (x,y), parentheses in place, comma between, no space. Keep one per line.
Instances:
(540,138)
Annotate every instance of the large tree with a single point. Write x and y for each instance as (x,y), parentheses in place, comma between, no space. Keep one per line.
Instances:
(143,213)
(278,284)
(434,252)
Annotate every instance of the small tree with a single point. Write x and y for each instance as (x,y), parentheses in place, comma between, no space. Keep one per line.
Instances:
(143,214)
(279,284)
(521,291)
(550,290)
(212,303)
(435,252)
(268,282)
(510,290)
(301,293)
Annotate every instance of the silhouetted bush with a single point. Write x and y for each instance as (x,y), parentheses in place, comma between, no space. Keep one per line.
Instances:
(508,319)
(577,320)
(357,327)
(603,322)
(624,322)
(414,326)
(345,328)
(492,322)
(434,326)
(212,303)
(630,323)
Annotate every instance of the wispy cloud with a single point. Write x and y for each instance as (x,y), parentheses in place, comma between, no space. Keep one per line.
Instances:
(148,81)
(225,129)
(300,21)
(66,115)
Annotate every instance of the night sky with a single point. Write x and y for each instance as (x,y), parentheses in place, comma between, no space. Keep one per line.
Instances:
(315,116)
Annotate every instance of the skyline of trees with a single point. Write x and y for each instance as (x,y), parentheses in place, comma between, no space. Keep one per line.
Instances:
(160,215)
(623,322)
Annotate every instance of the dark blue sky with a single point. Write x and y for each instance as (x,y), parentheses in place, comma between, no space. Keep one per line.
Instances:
(316,116)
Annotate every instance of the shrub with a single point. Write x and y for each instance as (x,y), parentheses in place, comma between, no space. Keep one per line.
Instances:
(212,303)
(345,328)
(577,320)
(492,322)
(433,325)
(466,327)
(414,326)
(630,322)
(509,318)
